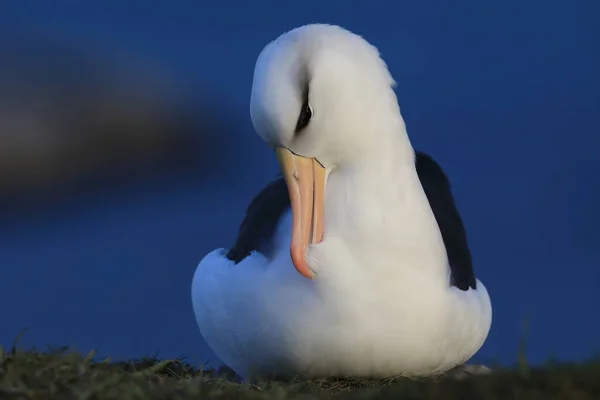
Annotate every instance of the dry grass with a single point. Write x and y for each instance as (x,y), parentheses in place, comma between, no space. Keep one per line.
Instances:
(28,374)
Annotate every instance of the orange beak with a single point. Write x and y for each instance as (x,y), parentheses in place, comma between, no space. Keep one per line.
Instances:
(305,178)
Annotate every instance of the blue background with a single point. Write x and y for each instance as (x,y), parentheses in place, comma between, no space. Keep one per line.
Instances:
(505,95)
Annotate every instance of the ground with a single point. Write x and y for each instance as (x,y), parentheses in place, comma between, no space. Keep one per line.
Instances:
(28,374)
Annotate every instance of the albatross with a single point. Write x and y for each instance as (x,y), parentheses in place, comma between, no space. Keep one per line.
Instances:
(355,261)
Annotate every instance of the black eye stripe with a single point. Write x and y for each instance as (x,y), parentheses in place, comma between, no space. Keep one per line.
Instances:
(305,112)
(304,117)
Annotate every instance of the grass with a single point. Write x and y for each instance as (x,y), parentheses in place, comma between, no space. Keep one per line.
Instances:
(64,374)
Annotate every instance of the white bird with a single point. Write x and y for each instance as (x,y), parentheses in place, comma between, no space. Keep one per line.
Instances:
(372,225)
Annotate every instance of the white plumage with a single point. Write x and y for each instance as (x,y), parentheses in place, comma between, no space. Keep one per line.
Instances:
(381,303)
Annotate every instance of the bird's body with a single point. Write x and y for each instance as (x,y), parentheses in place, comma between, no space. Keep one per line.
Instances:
(393,289)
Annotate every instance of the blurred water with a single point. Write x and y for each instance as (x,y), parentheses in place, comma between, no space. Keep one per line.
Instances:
(505,96)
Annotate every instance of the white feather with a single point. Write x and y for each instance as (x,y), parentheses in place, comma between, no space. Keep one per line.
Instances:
(381,303)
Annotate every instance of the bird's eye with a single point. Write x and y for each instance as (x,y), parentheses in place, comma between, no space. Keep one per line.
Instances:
(306,114)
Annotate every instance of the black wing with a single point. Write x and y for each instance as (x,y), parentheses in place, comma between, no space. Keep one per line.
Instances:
(262,215)
(258,227)
(437,188)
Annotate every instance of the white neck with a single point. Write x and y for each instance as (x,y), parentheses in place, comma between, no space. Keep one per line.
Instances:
(377,204)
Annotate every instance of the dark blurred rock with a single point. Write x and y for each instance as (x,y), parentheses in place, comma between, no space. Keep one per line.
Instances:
(69,114)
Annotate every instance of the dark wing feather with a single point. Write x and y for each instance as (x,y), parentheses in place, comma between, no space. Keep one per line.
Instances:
(262,216)
(437,188)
